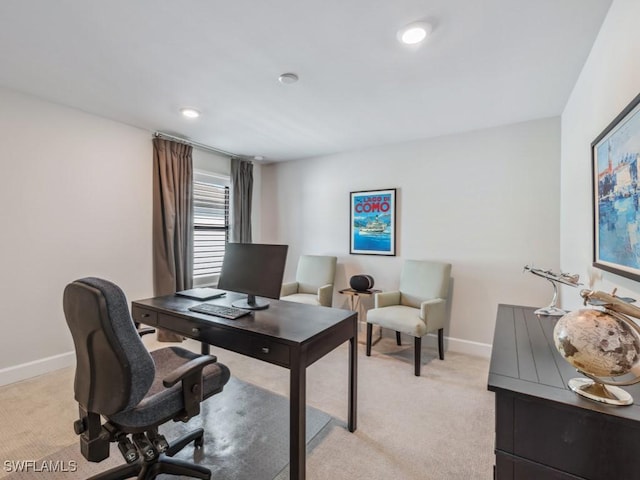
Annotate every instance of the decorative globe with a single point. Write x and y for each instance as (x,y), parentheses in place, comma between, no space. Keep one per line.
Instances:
(597,343)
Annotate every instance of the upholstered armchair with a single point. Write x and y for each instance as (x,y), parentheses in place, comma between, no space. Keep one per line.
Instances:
(314,281)
(418,307)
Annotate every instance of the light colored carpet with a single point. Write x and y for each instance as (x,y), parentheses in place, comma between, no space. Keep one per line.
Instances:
(438,426)
(246,437)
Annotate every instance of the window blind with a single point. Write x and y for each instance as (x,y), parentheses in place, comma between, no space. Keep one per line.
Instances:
(211,227)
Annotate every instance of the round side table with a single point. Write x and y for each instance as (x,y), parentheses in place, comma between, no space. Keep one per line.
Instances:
(354,298)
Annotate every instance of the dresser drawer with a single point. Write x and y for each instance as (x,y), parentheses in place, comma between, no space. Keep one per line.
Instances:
(144,315)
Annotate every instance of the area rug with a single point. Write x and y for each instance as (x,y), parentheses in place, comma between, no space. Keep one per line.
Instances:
(246,438)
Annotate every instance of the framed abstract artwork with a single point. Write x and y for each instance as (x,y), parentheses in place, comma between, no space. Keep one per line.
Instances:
(615,157)
(373,222)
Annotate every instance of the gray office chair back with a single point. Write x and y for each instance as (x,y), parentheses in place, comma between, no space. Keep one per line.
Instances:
(114,369)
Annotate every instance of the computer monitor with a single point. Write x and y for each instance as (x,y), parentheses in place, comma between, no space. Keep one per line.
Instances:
(255,269)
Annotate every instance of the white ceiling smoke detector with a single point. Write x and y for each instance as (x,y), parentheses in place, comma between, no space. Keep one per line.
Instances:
(288,78)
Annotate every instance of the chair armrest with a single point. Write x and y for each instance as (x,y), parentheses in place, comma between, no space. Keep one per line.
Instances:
(190,374)
(433,313)
(289,289)
(386,299)
(192,366)
(146,331)
(325,295)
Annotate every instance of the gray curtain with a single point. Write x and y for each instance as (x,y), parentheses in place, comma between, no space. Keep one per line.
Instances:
(172,220)
(242,194)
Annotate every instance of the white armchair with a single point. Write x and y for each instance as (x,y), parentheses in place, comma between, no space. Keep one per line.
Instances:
(417,308)
(314,281)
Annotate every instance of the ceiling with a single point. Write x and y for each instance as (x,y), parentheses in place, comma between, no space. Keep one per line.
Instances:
(487,63)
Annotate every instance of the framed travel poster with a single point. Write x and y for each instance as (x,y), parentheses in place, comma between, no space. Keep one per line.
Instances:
(616,194)
(373,222)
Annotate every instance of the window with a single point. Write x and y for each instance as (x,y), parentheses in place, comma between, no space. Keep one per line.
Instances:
(210,224)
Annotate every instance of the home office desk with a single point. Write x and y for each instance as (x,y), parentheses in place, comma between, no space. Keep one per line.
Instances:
(288,334)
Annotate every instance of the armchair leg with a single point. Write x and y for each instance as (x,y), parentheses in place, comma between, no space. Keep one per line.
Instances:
(417,355)
(441,343)
(369,334)
(398,339)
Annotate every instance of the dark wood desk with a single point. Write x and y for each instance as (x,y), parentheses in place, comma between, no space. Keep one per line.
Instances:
(288,334)
(543,429)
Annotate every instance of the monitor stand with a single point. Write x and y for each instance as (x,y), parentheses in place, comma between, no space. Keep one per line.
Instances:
(250,303)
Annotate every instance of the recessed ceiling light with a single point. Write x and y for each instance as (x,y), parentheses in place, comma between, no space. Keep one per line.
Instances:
(288,78)
(189,112)
(414,33)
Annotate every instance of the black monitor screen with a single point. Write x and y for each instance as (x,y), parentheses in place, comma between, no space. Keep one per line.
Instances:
(255,269)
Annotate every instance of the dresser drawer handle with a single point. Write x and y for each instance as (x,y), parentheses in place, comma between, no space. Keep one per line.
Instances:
(195,330)
(265,349)
(145,315)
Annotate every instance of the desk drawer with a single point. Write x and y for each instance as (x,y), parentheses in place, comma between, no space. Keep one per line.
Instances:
(271,352)
(178,325)
(144,315)
(235,340)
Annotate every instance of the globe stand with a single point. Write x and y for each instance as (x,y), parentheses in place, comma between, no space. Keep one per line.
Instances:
(600,392)
(552,310)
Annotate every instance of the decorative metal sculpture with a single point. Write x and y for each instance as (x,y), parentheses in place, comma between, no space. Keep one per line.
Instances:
(554,278)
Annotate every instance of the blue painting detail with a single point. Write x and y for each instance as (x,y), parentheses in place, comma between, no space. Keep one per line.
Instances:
(372,216)
(618,229)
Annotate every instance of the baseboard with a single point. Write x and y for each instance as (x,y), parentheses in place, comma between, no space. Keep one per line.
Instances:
(45,365)
(451,344)
(468,347)
(37,367)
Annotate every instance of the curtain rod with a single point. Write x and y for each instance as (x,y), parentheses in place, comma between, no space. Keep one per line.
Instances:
(196,144)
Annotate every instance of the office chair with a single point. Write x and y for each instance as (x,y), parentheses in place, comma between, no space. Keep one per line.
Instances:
(416,308)
(134,391)
(314,281)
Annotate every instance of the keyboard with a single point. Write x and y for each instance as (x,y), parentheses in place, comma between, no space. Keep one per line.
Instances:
(230,313)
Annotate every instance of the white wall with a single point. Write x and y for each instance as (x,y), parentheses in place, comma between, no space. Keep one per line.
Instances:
(609,80)
(486,201)
(211,162)
(76,199)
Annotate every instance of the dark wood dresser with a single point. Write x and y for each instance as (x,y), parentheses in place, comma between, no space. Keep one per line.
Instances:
(543,429)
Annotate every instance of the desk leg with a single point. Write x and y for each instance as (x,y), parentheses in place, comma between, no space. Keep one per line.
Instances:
(205,348)
(297,417)
(352,421)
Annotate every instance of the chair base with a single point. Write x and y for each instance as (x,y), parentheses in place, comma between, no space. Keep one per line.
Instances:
(163,464)
(417,347)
